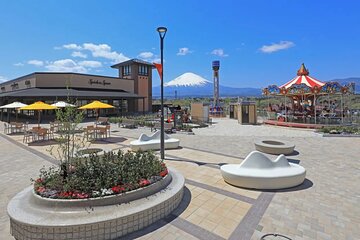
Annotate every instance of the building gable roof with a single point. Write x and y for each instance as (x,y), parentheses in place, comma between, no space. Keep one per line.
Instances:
(131,61)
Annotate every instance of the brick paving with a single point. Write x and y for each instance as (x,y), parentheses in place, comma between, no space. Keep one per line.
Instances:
(326,206)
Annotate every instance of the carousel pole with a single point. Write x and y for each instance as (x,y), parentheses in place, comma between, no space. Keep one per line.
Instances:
(342,109)
(303,109)
(315,107)
(268,108)
(285,109)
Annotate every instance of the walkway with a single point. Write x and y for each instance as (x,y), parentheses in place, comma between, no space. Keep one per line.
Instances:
(324,207)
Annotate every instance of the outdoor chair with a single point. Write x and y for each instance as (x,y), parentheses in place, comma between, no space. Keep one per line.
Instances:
(51,133)
(28,136)
(14,127)
(7,128)
(42,133)
(108,129)
(89,132)
(102,121)
(52,125)
(26,126)
(101,132)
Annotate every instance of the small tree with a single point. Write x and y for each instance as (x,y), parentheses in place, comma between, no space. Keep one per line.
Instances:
(69,140)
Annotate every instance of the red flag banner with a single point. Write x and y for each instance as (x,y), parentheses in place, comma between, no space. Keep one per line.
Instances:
(159,69)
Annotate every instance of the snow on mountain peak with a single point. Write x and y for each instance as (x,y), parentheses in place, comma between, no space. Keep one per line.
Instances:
(187,80)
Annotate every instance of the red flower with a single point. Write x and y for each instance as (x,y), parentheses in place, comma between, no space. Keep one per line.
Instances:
(65,194)
(40,189)
(144,182)
(164,173)
(39,180)
(118,189)
(80,195)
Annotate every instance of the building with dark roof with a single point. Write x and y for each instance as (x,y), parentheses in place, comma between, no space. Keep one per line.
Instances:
(130,92)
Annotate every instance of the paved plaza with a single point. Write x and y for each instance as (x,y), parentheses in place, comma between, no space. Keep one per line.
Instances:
(325,206)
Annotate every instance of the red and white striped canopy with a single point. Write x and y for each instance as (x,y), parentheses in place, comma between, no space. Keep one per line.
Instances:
(303,77)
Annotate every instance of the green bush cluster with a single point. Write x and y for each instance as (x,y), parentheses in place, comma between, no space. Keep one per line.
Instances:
(96,175)
(143,120)
(341,129)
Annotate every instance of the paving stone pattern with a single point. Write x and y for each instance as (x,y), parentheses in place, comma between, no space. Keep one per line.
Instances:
(324,207)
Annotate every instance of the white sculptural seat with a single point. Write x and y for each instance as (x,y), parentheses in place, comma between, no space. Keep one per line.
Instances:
(274,146)
(152,142)
(259,172)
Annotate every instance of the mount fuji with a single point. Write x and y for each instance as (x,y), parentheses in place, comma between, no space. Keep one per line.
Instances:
(192,85)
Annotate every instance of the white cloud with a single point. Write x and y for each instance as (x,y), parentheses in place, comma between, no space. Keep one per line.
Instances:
(36,63)
(65,65)
(90,64)
(3,79)
(78,54)
(277,46)
(219,52)
(97,50)
(183,51)
(19,64)
(104,51)
(149,57)
(146,55)
(157,60)
(72,46)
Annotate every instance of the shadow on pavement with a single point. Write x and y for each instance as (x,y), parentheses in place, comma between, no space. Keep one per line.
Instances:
(159,224)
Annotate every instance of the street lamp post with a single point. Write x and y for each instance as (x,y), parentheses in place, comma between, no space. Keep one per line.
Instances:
(162,33)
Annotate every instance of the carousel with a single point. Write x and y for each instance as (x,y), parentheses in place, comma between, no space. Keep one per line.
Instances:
(306,100)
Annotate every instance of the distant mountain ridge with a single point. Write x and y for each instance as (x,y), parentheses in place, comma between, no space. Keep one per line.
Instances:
(193,85)
(344,81)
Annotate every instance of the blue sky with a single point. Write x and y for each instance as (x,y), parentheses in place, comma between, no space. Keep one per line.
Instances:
(257,42)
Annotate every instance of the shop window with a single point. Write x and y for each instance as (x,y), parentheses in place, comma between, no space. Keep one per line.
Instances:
(116,103)
(14,86)
(143,70)
(124,106)
(127,70)
(28,83)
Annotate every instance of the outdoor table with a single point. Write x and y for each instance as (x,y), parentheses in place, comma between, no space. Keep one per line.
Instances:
(36,131)
(16,127)
(98,130)
(94,132)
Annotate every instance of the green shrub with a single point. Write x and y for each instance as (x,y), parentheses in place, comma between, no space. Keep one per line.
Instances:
(95,175)
(341,129)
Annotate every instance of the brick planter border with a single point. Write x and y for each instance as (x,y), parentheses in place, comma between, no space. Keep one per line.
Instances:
(30,219)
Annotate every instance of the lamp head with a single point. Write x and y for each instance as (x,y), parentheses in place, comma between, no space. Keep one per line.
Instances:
(162,31)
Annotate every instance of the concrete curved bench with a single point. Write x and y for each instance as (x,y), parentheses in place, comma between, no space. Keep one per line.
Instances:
(274,146)
(259,172)
(152,142)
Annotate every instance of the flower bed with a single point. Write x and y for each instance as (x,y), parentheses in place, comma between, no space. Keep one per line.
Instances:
(340,130)
(98,176)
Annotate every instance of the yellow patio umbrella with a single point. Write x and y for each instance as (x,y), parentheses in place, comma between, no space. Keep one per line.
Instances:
(39,106)
(96,105)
